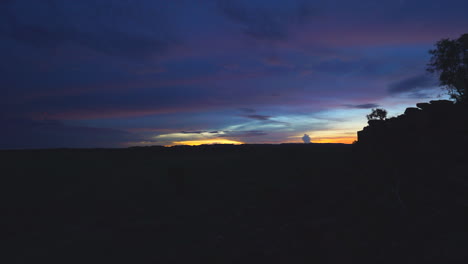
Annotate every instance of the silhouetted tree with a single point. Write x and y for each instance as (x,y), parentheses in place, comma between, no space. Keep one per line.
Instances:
(377,114)
(450,61)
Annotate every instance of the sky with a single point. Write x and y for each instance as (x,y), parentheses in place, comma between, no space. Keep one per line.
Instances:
(115,73)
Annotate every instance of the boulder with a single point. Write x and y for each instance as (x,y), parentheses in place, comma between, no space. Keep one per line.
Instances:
(423,105)
(412,111)
(375,122)
(441,103)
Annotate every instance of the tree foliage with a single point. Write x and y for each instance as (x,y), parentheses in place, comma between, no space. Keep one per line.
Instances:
(377,114)
(450,60)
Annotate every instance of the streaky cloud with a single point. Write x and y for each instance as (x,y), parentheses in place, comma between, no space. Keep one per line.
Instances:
(412,84)
(258,117)
(243,134)
(106,31)
(363,106)
(267,22)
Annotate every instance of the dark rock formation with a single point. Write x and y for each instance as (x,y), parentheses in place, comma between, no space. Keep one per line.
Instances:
(423,155)
(438,123)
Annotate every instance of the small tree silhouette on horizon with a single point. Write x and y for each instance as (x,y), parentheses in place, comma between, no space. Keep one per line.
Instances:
(377,114)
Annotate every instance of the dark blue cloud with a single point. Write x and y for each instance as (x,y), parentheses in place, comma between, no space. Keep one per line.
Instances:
(413,84)
(247,110)
(267,21)
(195,132)
(244,134)
(119,28)
(363,106)
(258,117)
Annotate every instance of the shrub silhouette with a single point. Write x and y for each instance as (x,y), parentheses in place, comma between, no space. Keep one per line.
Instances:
(377,114)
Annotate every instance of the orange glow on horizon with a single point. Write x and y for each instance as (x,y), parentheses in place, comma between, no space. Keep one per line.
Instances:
(345,140)
(206,142)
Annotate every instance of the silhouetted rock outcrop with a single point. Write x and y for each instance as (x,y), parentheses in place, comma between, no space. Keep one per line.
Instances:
(438,123)
(421,157)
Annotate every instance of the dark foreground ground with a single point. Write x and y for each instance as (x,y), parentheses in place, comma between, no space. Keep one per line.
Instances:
(233,204)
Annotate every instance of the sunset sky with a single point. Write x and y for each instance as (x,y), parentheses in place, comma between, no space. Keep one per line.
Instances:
(142,72)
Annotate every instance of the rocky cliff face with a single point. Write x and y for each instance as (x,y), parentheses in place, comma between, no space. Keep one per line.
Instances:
(436,124)
(422,156)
